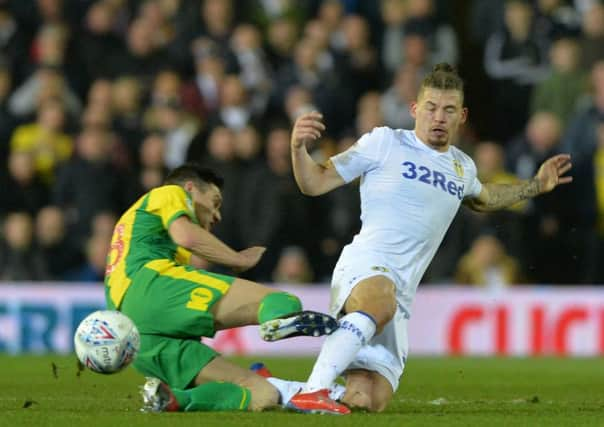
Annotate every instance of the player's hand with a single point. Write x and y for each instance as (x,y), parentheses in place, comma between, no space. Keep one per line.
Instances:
(308,127)
(551,171)
(250,257)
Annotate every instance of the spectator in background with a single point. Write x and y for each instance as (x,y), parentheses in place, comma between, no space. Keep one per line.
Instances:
(441,37)
(248,148)
(100,93)
(167,84)
(89,183)
(271,212)
(487,264)
(235,111)
(293,267)
(507,224)
(93,268)
(339,213)
(19,259)
(7,120)
(541,139)
(398,97)
(13,42)
(591,41)
(126,104)
(394,15)
(152,170)
(282,35)
(514,62)
(220,156)
(369,113)
(216,20)
(201,95)
(566,83)
(580,139)
(304,71)
(45,139)
(485,18)
(263,13)
(298,101)
(22,187)
(98,43)
(555,19)
(358,62)
(103,224)
(44,84)
(141,57)
(558,232)
(59,253)
(180,130)
(331,14)
(246,44)
(317,33)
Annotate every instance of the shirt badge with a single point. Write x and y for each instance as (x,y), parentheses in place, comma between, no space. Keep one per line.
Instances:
(458,168)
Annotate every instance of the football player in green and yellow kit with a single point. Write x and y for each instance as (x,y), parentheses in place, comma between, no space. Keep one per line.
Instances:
(153,277)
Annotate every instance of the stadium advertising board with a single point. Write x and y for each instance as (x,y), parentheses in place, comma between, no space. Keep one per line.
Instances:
(528,321)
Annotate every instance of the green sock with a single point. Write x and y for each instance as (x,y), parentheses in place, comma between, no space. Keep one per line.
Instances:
(276,305)
(214,396)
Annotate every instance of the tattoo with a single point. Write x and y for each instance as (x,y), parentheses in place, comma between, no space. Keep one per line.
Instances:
(504,195)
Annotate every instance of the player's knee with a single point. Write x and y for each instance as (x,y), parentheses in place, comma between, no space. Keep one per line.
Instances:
(382,393)
(359,400)
(379,403)
(377,300)
(264,395)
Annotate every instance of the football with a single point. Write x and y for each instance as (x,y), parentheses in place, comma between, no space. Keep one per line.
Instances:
(106,341)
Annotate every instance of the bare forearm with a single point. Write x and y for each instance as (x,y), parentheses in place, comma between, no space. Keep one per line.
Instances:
(203,244)
(501,196)
(306,171)
(208,247)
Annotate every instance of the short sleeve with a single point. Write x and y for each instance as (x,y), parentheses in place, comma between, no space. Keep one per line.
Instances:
(169,203)
(182,256)
(474,184)
(366,154)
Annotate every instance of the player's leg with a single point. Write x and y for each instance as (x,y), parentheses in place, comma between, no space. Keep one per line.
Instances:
(370,305)
(367,390)
(374,375)
(279,313)
(197,378)
(359,389)
(249,303)
(263,394)
(170,349)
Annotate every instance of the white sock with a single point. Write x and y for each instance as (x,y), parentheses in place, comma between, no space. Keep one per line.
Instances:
(340,349)
(336,391)
(286,389)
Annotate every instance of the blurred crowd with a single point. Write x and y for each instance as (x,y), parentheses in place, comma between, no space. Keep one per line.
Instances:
(100,98)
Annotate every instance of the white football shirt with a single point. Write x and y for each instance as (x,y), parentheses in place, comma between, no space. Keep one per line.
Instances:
(410,193)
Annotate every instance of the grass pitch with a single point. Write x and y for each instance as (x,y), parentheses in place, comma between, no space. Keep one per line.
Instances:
(46,391)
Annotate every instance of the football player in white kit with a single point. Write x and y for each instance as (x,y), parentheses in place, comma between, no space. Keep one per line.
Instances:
(412,184)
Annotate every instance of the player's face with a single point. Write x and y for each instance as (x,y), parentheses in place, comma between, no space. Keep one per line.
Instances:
(207,204)
(438,114)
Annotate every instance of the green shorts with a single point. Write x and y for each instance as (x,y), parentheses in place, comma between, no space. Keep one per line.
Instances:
(170,305)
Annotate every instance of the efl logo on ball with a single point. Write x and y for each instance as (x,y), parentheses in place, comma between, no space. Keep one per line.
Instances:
(106,341)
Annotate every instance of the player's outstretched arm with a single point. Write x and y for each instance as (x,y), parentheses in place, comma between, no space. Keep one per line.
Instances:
(498,196)
(312,178)
(204,244)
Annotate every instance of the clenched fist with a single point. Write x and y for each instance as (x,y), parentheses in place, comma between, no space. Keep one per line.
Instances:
(307,127)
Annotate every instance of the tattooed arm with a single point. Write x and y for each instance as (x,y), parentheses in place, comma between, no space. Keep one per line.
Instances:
(498,196)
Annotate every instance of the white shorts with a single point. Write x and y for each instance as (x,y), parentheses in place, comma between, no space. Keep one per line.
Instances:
(385,353)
